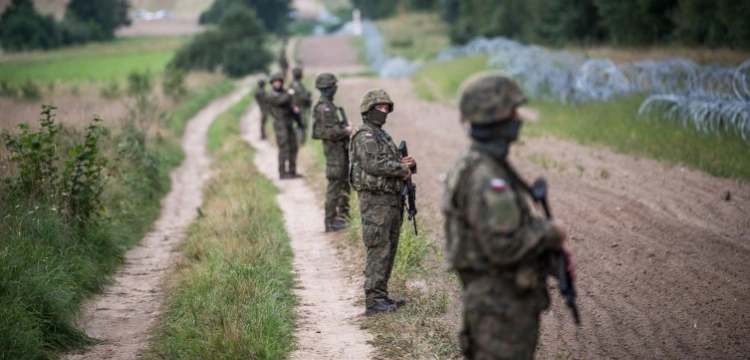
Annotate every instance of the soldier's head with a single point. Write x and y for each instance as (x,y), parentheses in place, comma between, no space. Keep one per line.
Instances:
(297,72)
(326,83)
(261,83)
(489,102)
(375,106)
(277,80)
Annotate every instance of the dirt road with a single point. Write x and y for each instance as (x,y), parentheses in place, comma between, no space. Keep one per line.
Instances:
(329,327)
(664,258)
(123,315)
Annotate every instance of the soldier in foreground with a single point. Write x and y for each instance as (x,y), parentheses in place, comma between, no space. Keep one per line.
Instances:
(302,100)
(377,172)
(334,132)
(500,251)
(285,115)
(260,98)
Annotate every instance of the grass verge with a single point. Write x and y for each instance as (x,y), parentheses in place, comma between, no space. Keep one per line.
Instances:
(415,36)
(613,124)
(49,268)
(231,295)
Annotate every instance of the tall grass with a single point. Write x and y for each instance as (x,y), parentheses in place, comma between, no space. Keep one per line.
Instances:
(415,36)
(613,124)
(231,295)
(48,267)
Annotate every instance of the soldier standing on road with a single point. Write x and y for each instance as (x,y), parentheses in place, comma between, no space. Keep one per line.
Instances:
(500,251)
(285,114)
(260,98)
(283,61)
(302,99)
(334,132)
(377,172)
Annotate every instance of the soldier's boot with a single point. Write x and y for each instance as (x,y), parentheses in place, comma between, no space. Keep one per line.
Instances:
(286,176)
(263,135)
(398,302)
(381,307)
(336,225)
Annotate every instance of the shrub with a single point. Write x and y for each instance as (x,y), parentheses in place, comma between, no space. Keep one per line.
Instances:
(23,28)
(140,83)
(173,83)
(30,90)
(110,90)
(242,58)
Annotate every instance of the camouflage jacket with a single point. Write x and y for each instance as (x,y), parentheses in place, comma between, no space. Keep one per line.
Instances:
(279,103)
(301,97)
(327,125)
(375,161)
(260,98)
(489,226)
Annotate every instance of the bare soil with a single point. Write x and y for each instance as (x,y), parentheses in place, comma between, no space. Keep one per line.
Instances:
(330,323)
(663,251)
(124,314)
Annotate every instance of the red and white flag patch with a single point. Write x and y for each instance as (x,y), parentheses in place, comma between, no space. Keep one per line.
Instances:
(327,109)
(497,184)
(368,135)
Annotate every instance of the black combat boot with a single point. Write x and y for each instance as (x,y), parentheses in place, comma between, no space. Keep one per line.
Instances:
(381,307)
(398,302)
(286,176)
(336,225)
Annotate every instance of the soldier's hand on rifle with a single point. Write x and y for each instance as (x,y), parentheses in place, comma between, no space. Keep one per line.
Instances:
(290,91)
(407,175)
(296,108)
(409,161)
(349,128)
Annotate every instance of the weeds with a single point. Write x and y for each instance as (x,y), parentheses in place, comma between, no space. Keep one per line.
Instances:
(110,90)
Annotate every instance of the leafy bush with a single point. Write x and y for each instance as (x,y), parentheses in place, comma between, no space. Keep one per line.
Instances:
(102,17)
(110,90)
(30,90)
(173,83)
(23,28)
(273,14)
(140,83)
(242,58)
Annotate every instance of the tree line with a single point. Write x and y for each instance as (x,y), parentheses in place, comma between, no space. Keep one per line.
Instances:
(711,23)
(23,28)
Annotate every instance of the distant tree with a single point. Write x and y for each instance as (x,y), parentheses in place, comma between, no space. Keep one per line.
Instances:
(274,14)
(566,21)
(23,28)
(376,9)
(713,23)
(103,17)
(642,22)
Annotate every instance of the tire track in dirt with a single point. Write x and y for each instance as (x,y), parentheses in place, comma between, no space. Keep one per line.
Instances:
(330,324)
(125,313)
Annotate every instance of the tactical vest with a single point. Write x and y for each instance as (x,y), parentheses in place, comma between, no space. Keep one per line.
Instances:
(360,179)
(317,127)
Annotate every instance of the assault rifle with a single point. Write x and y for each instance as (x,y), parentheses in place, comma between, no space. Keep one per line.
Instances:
(409,192)
(345,123)
(565,282)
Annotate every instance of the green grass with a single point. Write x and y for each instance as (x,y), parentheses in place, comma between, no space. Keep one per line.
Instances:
(613,124)
(231,297)
(415,36)
(98,61)
(50,267)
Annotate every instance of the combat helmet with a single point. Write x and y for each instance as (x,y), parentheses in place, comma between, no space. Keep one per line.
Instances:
(277,76)
(297,72)
(489,98)
(325,80)
(375,97)
(261,82)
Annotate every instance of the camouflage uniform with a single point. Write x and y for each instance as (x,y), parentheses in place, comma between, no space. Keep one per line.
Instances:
(499,250)
(376,173)
(283,62)
(280,105)
(260,98)
(302,99)
(328,127)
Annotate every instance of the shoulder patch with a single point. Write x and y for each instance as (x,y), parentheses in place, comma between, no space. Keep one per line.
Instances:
(368,135)
(497,184)
(327,109)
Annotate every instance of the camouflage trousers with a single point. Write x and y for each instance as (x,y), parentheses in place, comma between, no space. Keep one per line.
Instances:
(499,321)
(337,199)
(302,133)
(263,118)
(286,140)
(382,216)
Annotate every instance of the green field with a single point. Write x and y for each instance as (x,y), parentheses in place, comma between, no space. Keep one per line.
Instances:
(96,61)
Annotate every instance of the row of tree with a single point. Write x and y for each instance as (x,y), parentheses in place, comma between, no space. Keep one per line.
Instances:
(712,23)
(22,27)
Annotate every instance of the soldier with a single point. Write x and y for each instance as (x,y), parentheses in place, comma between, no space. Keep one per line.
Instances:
(285,114)
(334,132)
(260,98)
(283,62)
(500,251)
(302,99)
(377,172)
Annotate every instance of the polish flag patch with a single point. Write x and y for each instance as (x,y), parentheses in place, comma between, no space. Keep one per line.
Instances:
(327,110)
(497,184)
(368,135)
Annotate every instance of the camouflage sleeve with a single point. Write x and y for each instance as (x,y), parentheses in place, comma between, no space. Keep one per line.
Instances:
(329,124)
(494,213)
(376,162)
(277,98)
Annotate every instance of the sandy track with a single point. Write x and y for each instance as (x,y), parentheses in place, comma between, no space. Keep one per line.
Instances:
(664,259)
(123,315)
(329,326)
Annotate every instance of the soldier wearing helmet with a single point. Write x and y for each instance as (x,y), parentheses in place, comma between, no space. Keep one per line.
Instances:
(334,131)
(283,61)
(302,99)
(377,172)
(260,98)
(499,249)
(285,116)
